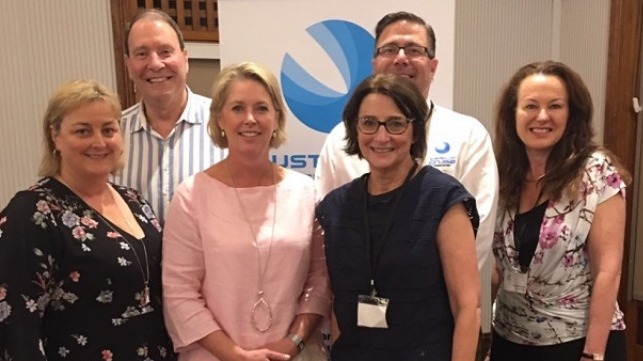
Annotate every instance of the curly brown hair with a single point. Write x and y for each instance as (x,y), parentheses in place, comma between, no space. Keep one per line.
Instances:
(568,156)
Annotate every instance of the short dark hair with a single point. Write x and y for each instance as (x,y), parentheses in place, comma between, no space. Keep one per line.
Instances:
(153,14)
(568,156)
(407,98)
(392,18)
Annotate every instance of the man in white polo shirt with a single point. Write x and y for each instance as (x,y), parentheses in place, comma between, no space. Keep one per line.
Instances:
(458,144)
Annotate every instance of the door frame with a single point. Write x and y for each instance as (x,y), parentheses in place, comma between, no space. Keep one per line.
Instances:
(623,84)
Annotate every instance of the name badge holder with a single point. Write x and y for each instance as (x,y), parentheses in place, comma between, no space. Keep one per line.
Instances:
(371,309)
(515,281)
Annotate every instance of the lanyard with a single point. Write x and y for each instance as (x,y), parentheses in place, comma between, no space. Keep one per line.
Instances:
(387,227)
(428,118)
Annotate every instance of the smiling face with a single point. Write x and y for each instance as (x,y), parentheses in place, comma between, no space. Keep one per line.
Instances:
(156,63)
(384,152)
(248,118)
(542,111)
(89,141)
(420,69)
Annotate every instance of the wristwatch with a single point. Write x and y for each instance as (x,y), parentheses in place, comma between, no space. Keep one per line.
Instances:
(593,356)
(298,341)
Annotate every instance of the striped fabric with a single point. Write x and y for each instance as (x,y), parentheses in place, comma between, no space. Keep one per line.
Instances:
(155,166)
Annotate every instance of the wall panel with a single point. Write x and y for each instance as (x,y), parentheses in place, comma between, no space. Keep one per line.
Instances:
(45,43)
(493,39)
(583,45)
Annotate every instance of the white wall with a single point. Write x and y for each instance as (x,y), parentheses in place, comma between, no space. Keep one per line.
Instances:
(493,39)
(44,43)
(584,44)
(496,37)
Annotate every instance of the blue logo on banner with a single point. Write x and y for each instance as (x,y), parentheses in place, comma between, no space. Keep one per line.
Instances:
(350,47)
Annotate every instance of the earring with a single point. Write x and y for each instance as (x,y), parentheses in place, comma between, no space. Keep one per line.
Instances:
(274,134)
(54,153)
(222,134)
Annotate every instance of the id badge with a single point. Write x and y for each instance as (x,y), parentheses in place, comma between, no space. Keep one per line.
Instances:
(515,281)
(371,311)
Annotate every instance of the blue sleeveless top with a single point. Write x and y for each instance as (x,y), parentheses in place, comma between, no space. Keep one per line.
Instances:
(408,270)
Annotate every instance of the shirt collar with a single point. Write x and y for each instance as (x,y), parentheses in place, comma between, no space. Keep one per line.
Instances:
(189,114)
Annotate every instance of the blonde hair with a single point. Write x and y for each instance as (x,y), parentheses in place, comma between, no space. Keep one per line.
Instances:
(221,90)
(67,98)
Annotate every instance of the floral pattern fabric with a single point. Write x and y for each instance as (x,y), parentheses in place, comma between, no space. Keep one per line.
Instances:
(555,306)
(71,286)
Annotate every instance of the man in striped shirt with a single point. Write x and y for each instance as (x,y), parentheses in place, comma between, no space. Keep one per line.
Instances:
(166,132)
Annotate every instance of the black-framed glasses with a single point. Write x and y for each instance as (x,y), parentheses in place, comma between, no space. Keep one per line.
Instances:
(411,51)
(393,125)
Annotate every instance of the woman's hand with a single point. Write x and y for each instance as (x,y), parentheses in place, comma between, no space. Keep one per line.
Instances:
(263,354)
(283,346)
(221,346)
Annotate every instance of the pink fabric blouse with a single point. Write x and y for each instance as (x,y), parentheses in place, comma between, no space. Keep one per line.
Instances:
(210,265)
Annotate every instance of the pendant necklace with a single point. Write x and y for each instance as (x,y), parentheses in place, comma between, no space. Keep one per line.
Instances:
(261,271)
(145,274)
(145,293)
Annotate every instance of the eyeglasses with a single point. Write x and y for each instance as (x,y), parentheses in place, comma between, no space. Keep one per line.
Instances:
(393,125)
(411,51)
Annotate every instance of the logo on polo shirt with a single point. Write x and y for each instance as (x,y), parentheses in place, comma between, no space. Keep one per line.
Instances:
(443,148)
(443,160)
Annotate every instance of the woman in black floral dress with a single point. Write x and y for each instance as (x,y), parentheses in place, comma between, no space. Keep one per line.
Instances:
(80,257)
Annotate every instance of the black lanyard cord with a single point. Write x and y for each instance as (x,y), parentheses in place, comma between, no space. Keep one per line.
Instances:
(374,260)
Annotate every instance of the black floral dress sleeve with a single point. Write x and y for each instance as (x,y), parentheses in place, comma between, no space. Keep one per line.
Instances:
(72,285)
(26,268)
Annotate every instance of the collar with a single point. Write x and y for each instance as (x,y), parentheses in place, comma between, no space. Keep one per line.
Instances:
(189,114)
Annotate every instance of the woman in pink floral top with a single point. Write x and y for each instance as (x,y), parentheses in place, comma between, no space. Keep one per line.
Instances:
(80,258)
(558,243)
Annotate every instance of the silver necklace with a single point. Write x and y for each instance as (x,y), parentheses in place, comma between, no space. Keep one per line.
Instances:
(145,293)
(261,301)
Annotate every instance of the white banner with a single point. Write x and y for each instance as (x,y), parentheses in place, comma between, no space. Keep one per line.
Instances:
(320,50)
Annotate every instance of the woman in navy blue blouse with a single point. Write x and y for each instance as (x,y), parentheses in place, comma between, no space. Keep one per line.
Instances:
(400,240)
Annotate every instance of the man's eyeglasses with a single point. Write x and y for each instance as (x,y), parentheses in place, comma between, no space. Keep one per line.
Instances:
(393,125)
(411,51)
